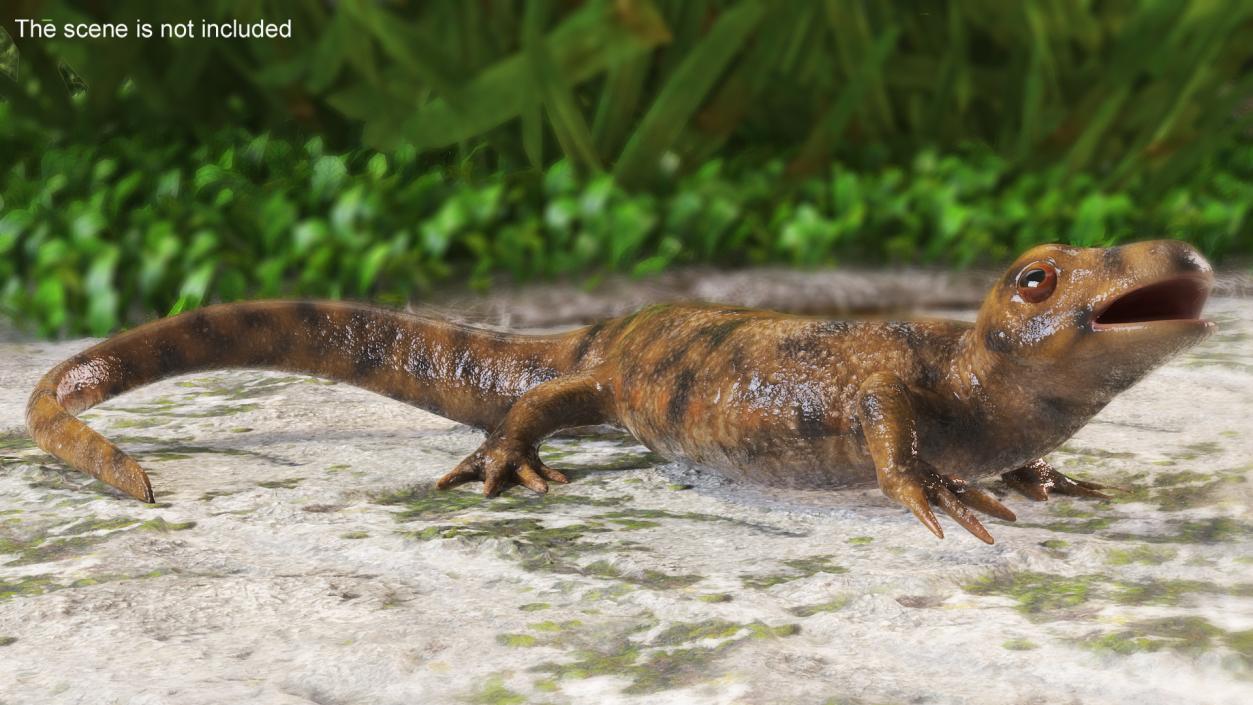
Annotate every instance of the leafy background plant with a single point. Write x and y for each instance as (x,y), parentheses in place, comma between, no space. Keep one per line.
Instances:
(387,147)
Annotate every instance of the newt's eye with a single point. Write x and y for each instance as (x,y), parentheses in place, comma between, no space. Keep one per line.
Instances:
(1037,281)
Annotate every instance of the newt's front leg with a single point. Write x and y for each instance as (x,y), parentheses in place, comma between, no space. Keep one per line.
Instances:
(886,411)
(509,455)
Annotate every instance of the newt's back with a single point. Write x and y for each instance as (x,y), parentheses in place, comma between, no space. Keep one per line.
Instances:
(764,396)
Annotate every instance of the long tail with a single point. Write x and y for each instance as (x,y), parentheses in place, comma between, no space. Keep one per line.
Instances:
(466,374)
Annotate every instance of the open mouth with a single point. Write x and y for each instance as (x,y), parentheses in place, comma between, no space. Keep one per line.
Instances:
(1178,299)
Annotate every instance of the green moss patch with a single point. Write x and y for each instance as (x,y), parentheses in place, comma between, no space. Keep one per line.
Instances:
(1213,530)
(1071,510)
(284,484)
(800,568)
(603,463)
(140,422)
(683,632)
(55,549)
(651,579)
(1241,643)
(535,545)
(93,524)
(34,585)
(517,640)
(16,441)
(1044,596)
(634,524)
(1148,555)
(184,451)
(1168,592)
(1200,449)
(683,654)
(1038,595)
(494,692)
(27,586)
(1184,634)
(834,605)
(1081,526)
(426,502)
(1176,499)
(551,627)
(234,390)
(162,526)
(77,538)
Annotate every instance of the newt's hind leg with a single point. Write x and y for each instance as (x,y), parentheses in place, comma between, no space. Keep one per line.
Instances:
(509,455)
(1038,479)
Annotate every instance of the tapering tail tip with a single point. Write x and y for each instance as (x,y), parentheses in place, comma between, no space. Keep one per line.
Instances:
(133,481)
(60,433)
(124,474)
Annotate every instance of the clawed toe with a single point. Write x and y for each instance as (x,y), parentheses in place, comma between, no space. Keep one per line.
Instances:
(553,475)
(920,486)
(454,478)
(500,465)
(1080,488)
(1039,480)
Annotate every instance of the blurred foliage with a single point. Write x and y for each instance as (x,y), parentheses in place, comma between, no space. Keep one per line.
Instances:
(388,146)
(94,235)
(1121,88)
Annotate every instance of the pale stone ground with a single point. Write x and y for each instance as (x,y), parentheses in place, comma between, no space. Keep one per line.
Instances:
(298,556)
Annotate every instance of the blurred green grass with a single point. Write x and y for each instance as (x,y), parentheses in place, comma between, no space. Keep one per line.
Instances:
(96,235)
(389,146)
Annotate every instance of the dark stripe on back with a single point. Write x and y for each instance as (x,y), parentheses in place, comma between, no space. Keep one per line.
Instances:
(671,358)
(169,357)
(679,398)
(717,334)
(253,319)
(814,336)
(589,337)
(212,342)
(309,322)
(307,313)
(369,354)
(118,384)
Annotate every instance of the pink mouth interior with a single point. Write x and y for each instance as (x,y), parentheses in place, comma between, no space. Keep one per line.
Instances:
(1172,300)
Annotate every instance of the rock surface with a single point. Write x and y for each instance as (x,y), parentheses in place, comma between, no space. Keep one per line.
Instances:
(298,555)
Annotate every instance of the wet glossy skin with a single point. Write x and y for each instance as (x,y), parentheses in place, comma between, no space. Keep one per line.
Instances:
(916,407)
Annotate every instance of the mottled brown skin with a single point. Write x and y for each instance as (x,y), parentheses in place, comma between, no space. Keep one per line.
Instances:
(919,407)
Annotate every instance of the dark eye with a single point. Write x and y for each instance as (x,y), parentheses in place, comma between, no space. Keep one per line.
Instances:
(1037,281)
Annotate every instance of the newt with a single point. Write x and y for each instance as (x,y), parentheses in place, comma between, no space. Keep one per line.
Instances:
(922,408)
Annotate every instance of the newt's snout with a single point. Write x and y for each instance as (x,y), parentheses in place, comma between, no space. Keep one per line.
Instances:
(1153,303)
(1162,284)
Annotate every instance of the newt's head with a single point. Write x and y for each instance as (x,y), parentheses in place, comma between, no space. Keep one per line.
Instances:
(1097,317)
